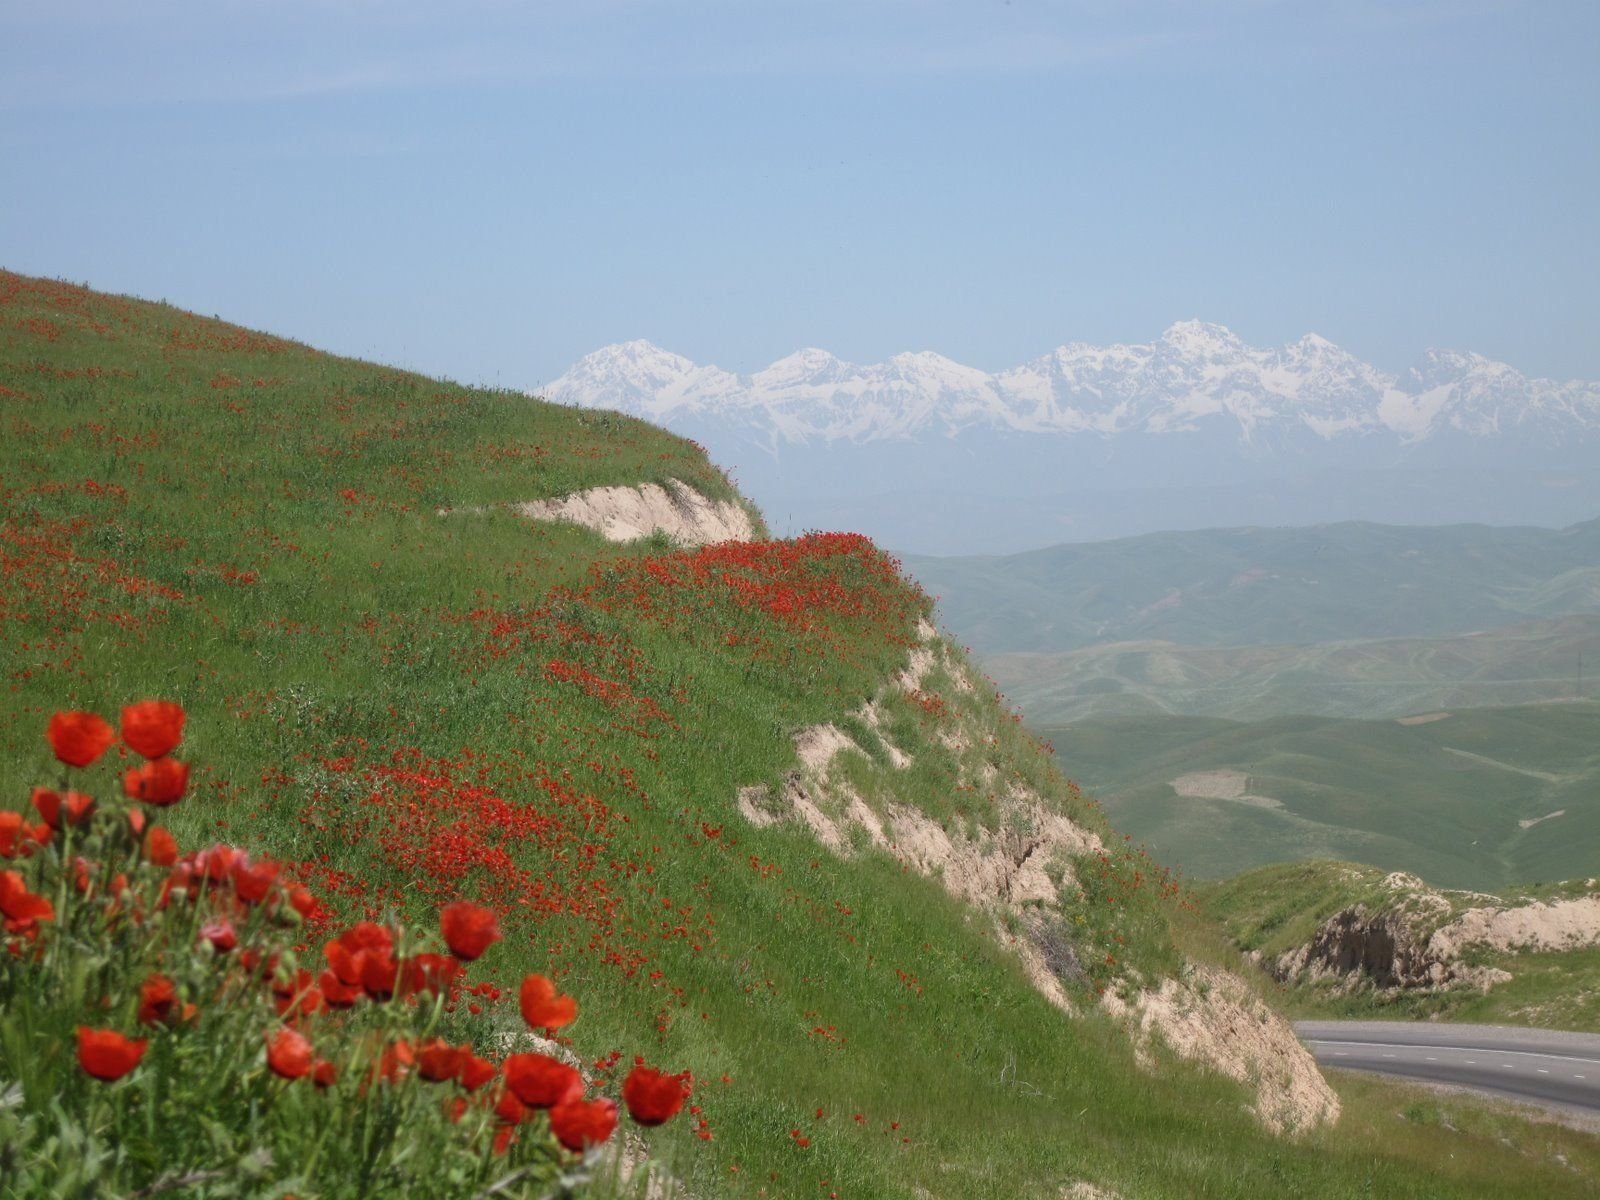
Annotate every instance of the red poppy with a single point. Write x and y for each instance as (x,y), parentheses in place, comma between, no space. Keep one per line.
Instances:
(435,973)
(580,1124)
(158,1000)
(252,882)
(18,837)
(160,847)
(541,1081)
(107,1054)
(289,1053)
(323,1073)
(379,973)
(301,900)
(55,807)
(542,1007)
(78,738)
(439,1061)
(301,1004)
(475,1072)
(221,934)
(20,907)
(652,1098)
(396,1059)
(336,992)
(159,783)
(510,1109)
(153,727)
(469,929)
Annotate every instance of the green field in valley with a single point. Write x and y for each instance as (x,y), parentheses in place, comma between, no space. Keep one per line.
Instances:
(1465,799)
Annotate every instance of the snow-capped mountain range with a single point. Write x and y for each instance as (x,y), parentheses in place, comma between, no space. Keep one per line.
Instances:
(1194,376)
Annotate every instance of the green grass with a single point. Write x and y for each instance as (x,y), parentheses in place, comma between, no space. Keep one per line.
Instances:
(1443,798)
(270,554)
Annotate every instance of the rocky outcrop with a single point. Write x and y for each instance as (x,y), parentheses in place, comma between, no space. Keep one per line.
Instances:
(626,514)
(1211,1017)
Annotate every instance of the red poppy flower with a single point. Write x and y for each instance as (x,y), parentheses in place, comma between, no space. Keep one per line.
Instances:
(158,1000)
(18,837)
(252,882)
(20,907)
(580,1124)
(508,1108)
(475,1072)
(73,808)
(159,783)
(153,727)
(221,934)
(303,1002)
(652,1098)
(323,1073)
(301,900)
(541,1081)
(379,973)
(542,1007)
(396,1059)
(289,1053)
(107,1054)
(469,929)
(78,738)
(439,1061)
(435,973)
(336,992)
(160,847)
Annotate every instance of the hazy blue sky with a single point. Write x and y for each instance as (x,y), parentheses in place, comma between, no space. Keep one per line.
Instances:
(487,189)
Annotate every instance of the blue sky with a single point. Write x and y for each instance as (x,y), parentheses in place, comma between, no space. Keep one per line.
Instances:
(487,190)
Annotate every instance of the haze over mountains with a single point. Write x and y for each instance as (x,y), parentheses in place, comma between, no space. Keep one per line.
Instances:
(1194,429)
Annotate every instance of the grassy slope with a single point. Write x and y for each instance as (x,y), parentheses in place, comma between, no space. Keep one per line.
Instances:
(1234,587)
(412,706)
(1517,664)
(1276,908)
(1442,799)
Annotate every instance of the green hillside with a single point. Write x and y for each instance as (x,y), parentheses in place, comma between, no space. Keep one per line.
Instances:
(1516,664)
(1443,795)
(407,693)
(1265,587)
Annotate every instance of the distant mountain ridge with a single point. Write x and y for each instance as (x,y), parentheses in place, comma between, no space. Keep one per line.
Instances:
(1193,375)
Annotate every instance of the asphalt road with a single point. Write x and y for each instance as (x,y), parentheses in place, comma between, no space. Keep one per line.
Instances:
(1539,1066)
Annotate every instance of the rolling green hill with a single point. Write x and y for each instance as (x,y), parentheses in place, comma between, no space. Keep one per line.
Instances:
(1443,794)
(1264,587)
(1535,661)
(406,693)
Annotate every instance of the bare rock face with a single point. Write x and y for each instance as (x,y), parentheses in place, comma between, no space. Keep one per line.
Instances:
(1211,1017)
(1381,947)
(626,514)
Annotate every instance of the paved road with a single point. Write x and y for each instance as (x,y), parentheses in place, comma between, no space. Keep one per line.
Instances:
(1558,1070)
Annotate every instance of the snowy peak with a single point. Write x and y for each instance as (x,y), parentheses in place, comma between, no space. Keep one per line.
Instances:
(1195,376)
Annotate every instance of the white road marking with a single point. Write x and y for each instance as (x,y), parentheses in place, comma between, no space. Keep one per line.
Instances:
(1581,1058)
